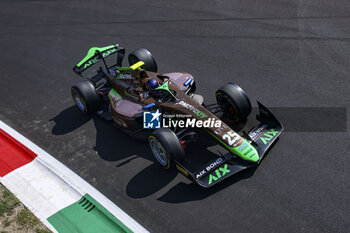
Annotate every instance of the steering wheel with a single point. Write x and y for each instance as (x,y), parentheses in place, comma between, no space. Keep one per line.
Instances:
(160,95)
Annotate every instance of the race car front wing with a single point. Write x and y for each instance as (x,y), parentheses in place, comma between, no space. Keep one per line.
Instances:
(261,137)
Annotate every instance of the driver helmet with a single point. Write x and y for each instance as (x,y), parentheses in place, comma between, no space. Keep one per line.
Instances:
(152,84)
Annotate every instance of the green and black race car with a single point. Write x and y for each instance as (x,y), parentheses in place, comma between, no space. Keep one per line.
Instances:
(122,94)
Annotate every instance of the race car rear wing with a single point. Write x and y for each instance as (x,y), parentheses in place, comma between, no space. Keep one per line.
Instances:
(95,54)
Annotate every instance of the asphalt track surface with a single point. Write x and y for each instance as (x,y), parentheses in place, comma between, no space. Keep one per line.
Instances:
(284,53)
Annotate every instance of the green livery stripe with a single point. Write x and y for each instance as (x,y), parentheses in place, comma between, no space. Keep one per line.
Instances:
(88,216)
(123,68)
(165,87)
(114,92)
(248,153)
(92,52)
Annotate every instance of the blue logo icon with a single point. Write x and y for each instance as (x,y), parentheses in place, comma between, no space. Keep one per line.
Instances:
(151,120)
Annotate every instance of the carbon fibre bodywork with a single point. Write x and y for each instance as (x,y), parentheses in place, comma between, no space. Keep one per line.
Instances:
(125,100)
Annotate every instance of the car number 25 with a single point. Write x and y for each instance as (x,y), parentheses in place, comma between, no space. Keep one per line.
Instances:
(232,138)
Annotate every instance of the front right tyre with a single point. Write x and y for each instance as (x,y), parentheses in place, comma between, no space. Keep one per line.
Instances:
(234,103)
(144,55)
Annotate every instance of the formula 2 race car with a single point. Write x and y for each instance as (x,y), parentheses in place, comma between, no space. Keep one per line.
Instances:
(125,95)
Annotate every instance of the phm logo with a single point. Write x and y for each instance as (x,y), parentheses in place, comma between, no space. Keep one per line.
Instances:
(151,120)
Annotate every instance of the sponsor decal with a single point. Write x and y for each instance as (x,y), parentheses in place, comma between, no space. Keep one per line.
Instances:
(89,63)
(151,120)
(256,132)
(193,109)
(209,168)
(218,130)
(268,136)
(232,138)
(124,76)
(200,114)
(243,146)
(93,61)
(220,172)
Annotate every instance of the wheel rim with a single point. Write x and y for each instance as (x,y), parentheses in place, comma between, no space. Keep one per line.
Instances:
(222,101)
(159,152)
(79,103)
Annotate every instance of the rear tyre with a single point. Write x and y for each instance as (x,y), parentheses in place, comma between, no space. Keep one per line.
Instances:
(166,147)
(144,55)
(234,102)
(85,97)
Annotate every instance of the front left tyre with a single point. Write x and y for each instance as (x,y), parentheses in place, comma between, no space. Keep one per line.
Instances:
(85,97)
(166,147)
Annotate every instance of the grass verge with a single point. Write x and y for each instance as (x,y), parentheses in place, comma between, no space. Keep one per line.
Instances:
(14,217)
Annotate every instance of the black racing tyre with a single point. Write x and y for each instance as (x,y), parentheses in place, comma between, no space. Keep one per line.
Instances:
(165,147)
(144,55)
(85,97)
(234,102)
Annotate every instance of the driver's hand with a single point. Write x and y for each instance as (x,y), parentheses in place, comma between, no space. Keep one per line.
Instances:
(141,96)
(145,95)
(138,90)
